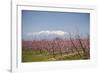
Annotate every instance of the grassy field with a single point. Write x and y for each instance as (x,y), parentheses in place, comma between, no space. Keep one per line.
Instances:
(35,56)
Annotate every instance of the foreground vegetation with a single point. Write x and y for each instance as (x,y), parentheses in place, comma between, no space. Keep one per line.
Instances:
(56,49)
(36,56)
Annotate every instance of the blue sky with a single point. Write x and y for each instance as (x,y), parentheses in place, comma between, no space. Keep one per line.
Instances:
(69,22)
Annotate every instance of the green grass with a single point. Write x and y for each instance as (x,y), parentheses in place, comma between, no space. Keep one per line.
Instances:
(37,56)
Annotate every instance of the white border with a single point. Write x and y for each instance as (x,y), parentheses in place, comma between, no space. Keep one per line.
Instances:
(17,66)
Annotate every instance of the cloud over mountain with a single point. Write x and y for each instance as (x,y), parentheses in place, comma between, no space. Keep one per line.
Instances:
(47,34)
(59,33)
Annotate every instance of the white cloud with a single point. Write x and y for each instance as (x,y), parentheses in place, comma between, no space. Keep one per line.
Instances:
(59,33)
(47,34)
